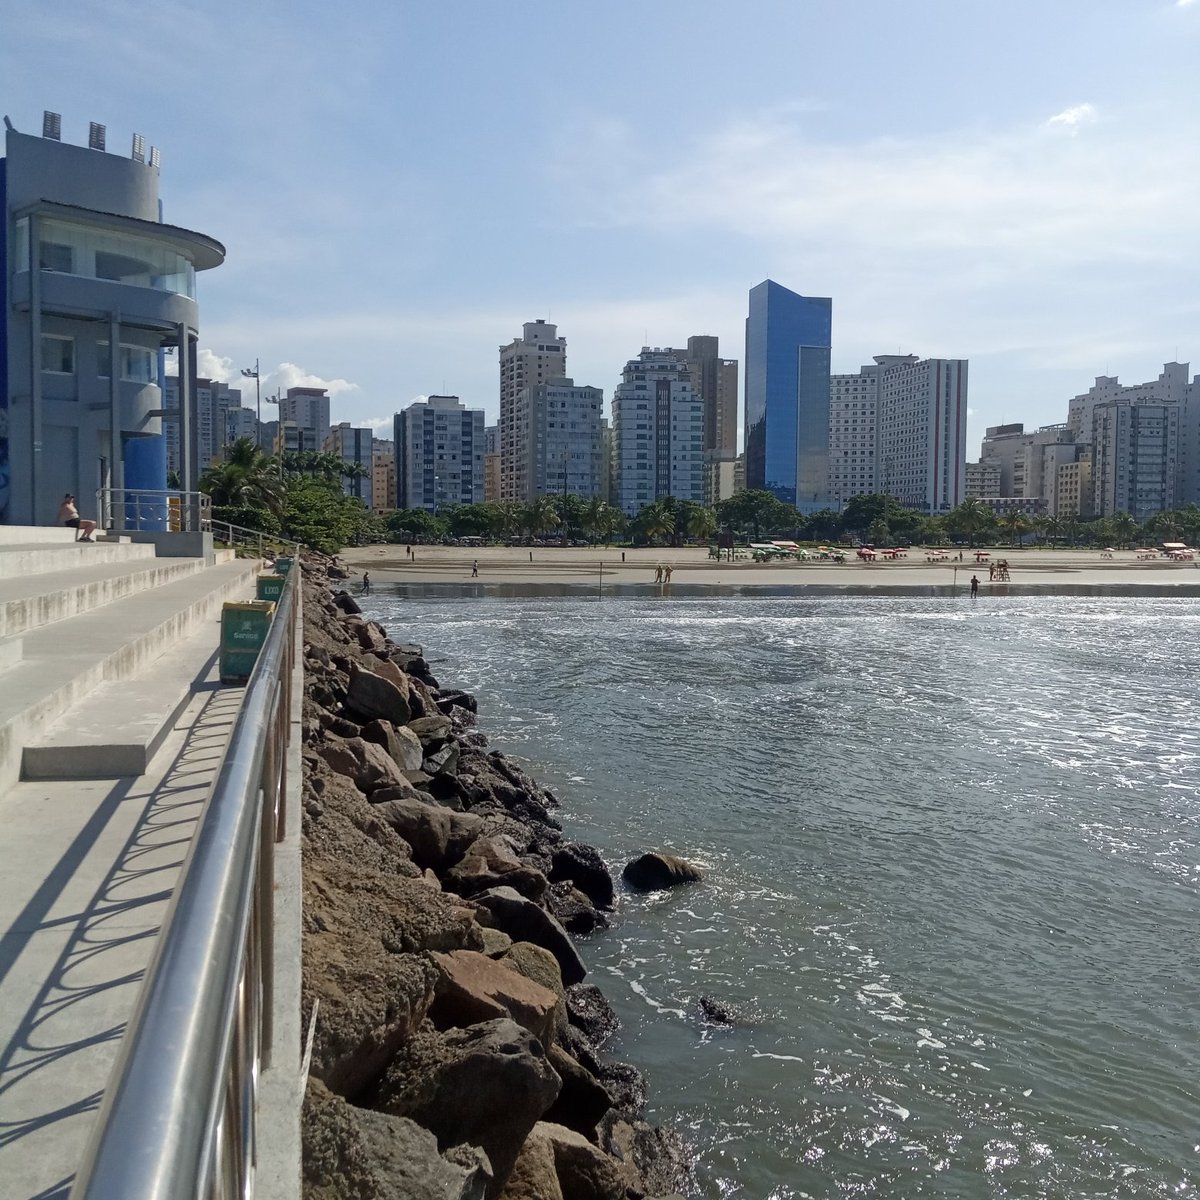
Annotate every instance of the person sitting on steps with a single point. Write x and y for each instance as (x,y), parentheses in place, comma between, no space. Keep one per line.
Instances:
(68,514)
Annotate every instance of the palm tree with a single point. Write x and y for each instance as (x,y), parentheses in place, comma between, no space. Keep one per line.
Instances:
(970,517)
(540,515)
(657,521)
(701,523)
(1016,523)
(247,478)
(1122,528)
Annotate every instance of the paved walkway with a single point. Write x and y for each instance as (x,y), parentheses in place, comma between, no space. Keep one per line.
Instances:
(86,873)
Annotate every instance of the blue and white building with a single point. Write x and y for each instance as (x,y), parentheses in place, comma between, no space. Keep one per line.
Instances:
(439,454)
(788,338)
(97,289)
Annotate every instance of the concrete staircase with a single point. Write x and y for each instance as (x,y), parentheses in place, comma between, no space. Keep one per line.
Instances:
(113,725)
(100,647)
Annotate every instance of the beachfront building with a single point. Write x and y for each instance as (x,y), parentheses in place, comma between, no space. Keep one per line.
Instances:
(716,380)
(900,426)
(439,454)
(787,395)
(539,355)
(383,476)
(1073,495)
(1029,459)
(491,464)
(291,438)
(1135,457)
(982,478)
(215,406)
(307,408)
(355,447)
(241,422)
(657,432)
(96,288)
(557,439)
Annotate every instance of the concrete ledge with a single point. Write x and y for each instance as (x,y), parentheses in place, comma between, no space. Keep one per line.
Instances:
(13,535)
(173,545)
(12,650)
(30,559)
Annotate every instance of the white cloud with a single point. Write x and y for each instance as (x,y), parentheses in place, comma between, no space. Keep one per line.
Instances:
(1072,119)
(213,366)
(288,375)
(1184,3)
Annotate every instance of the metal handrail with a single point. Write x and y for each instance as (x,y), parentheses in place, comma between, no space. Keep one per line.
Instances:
(165,510)
(239,535)
(179,1114)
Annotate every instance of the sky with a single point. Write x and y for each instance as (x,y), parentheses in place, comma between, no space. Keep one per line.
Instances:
(401,186)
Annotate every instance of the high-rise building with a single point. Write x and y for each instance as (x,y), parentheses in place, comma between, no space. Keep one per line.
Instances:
(787,395)
(558,444)
(491,464)
(439,454)
(716,379)
(241,423)
(539,355)
(922,441)
(214,403)
(983,478)
(899,427)
(307,408)
(1135,450)
(355,447)
(657,433)
(383,475)
(95,286)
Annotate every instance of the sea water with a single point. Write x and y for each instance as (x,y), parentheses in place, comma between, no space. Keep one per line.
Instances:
(951,874)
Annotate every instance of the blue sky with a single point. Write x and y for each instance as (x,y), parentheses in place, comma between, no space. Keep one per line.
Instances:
(401,185)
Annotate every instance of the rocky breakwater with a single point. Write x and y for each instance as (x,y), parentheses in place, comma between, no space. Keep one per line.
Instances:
(457,1045)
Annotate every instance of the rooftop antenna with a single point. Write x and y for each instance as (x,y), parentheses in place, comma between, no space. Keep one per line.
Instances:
(9,125)
(138,153)
(52,125)
(97,134)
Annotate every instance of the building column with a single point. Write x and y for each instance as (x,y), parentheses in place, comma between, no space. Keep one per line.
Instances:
(187,415)
(35,367)
(116,464)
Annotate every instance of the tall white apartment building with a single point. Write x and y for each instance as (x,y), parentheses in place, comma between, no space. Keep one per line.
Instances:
(900,426)
(491,464)
(439,454)
(355,447)
(983,478)
(539,355)
(241,422)
(657,432)
(1029,459)
(558,440)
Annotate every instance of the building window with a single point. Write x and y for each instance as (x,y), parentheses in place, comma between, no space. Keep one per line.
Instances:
(137,364)
(58,354)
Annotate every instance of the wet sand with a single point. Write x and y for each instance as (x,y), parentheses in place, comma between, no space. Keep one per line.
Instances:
(1048,570)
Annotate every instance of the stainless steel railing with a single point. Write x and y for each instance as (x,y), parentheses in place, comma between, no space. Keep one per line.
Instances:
(179,1115)
(159,510)
(253,539)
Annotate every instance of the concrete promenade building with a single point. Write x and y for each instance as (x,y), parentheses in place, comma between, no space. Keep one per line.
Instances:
(787,395)
(96,287)
(558,441)
(355,447)
(657,433)
(439,454)
(539,355)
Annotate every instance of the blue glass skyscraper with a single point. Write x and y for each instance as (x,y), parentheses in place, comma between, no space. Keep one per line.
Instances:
(787,395)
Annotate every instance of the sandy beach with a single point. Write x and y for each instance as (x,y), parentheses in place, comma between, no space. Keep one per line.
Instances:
(1049,570)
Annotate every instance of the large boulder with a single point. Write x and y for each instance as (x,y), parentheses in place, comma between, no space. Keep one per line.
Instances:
(350,1153)
(398,740)
(472,987)
(486,1085)
(346,602)
(369,695)
(533,1175)
(654,1155)
(583,1100)
(584,1171)
(538,964)
(523,921)
(425,827)
(491,863)
(589,1010)
(432,731)
(583,866)
(573,909)
(367,763)
(654,871)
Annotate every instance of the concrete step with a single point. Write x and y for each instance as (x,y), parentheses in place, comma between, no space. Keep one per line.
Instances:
(15,535)
(30,601)
(30,558)
(117,727)
(65,661)
(12,650)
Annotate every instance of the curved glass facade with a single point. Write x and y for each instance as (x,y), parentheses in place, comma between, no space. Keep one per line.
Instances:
(92,253)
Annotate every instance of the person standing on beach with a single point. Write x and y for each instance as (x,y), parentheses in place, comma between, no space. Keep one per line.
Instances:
(658,573)
(667,573)
(974,586)
(366,588)
(475,569)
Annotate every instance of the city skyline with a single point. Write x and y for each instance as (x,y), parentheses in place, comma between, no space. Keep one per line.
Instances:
(1027,208)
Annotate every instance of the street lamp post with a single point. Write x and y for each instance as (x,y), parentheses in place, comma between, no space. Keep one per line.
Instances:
(249,374)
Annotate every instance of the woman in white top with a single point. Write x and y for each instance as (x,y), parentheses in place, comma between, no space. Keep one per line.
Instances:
(68,514)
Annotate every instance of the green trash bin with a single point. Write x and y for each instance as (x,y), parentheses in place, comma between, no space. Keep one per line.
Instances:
(270,587)
(283,564)
(244,625)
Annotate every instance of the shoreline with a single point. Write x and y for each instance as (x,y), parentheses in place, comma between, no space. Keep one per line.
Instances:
(587,571)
